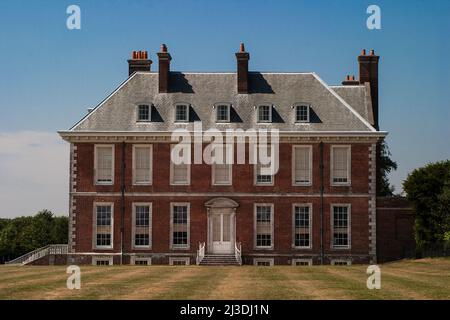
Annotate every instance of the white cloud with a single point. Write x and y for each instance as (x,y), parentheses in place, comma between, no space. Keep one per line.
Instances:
(34,173)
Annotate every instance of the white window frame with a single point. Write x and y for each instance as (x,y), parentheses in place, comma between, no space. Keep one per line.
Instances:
(258,120)
(187,105)
(133,231)
(308,113)
(104,258)
(335,262)
(228,105)
(349,165)
(258,260)
(310,182)
(310,206)
(308,261)
(150,105)
(133,260)
(188,174)
(227,149)
(272,224)
(136,146)
(187,260)
(255,170)
(94,226)
(179,247)
(113,147)
(349,226)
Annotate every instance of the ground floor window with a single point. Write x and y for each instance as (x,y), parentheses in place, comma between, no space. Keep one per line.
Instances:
(263,262)
(141,261)
(264,226)
(103,225)
(340,226)
(179,261)
(302,262)
(341,262)
(102,261)
(179,225)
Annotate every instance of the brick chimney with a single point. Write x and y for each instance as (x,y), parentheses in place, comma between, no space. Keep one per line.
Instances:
(350,81)
(164,69)
(139,62)
(368,72)
(242,58)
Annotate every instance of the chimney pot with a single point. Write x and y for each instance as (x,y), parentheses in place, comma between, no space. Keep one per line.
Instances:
(363,52)
(372,52)
(242,47)
(163,48)
(139,62)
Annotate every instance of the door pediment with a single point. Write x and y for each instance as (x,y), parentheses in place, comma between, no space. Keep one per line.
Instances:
(221,203)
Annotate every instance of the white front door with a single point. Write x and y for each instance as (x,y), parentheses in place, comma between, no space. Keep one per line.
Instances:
(222,229)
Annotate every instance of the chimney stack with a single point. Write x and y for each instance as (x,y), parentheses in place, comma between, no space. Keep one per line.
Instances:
(164,69)
(139,62)
(368,72)
(242,69)
(350,81)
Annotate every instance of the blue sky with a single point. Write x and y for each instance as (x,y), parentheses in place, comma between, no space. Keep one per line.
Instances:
(50,75)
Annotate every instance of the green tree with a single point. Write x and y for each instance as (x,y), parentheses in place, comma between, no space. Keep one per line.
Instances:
(428,189)
(385,166)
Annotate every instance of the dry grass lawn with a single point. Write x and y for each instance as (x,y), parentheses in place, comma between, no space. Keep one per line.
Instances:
(412,279)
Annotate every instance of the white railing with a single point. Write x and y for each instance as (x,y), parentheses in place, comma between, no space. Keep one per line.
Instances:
(40,253)
(237,252)
(200,252)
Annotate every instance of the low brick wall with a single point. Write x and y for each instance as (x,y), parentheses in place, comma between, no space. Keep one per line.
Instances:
(395,229)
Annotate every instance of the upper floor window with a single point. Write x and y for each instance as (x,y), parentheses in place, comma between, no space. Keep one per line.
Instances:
(104,164)
(103,227)
(340,226)
(222,173)
(263,174)
(142,164)
(180,174)
(144,113)
(302,113)
(340,165)
(302,165)
(223,113)
(182,113)
(265,113)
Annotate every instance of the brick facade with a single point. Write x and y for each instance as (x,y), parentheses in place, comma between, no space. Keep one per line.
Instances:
(282,195)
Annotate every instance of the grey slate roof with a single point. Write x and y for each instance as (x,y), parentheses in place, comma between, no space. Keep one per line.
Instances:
(333,109)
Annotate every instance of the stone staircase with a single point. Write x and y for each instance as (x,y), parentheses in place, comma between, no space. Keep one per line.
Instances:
(219,260)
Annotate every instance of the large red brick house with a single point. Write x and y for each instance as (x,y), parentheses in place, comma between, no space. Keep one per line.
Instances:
(130,204)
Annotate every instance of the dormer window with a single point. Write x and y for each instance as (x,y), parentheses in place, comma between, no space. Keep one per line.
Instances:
(265,113)
(144,113)
(302,113)
(223,113)
(182,113)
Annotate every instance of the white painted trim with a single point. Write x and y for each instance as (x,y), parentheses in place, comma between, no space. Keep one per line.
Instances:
(310,206)
(364,121)
(349,226)
(229,112)
(112,146)
(349,165)
(94,223)
(150,222)
(258,120)
(188,173)
(308,117)
(133,260)
(150,107)
(302,146)
(135,146)
(102,258)
(269,260)
(178,247)
(308,261)
(187,260)
(272,223)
